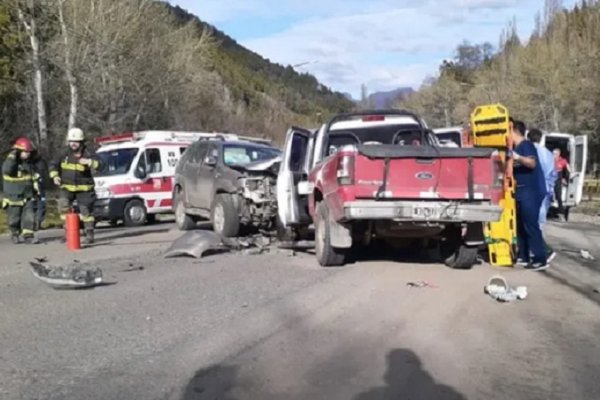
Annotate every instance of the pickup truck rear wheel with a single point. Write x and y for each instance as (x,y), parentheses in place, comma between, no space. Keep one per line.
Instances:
(327,255)
(463,258)
(225,216)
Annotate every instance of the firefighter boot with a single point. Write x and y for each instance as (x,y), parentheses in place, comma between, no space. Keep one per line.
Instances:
(89,236)
(14,237)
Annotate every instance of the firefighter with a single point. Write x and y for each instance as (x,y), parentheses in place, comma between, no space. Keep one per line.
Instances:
(72,172)
(20,185)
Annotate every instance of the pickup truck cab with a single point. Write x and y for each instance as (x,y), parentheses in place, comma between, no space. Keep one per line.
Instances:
(382,174)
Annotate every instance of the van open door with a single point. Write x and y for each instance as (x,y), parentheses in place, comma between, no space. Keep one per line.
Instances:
(578,168)
(293,173)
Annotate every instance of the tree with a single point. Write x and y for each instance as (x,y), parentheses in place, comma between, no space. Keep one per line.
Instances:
(27,13)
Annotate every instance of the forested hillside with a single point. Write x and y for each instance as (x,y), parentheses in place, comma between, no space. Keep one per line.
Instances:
(117,65)
(552,81)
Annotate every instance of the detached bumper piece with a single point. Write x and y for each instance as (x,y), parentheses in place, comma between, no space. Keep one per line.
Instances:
(420,211)
(109,208)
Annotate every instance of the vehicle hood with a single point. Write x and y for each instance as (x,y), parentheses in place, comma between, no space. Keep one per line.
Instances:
(270,166)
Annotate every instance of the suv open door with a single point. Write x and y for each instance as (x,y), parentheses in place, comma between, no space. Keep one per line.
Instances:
(578,167)
(292,177)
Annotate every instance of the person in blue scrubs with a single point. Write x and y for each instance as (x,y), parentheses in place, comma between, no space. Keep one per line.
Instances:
(546,159)
(530,194)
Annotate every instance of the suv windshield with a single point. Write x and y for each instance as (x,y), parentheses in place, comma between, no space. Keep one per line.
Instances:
(115,162)
(241,155)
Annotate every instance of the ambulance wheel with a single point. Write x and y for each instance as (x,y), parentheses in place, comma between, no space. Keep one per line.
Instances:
(225,217)
(184,221)
(134,213)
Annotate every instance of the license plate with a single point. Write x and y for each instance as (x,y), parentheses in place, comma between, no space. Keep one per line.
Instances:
(425,213)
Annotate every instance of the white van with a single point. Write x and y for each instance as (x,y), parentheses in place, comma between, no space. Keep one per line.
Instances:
(450,137)
(135,182)
(575,150)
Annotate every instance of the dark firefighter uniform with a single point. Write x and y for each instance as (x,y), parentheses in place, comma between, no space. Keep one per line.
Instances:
(76,184)
(20,194)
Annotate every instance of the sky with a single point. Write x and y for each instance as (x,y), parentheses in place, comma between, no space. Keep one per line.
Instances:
(384,44)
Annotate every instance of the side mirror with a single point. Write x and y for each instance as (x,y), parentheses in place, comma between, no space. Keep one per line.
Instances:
(140,172)
(210,161)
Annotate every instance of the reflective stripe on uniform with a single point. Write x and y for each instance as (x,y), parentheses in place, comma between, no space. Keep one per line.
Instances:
(14,203)
(95,164)
(89,218)
(27,232)
(78,188)
(72,167)
(24,178)
(53,174)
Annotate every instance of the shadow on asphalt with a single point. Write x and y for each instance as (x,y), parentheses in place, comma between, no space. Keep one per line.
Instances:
(132,233)
(404,378)
(583,289)
(212,383)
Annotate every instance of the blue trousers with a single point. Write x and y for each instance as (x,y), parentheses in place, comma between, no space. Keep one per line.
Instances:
(529,234)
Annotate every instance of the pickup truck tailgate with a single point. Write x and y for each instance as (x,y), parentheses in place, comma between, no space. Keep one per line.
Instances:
(424,172)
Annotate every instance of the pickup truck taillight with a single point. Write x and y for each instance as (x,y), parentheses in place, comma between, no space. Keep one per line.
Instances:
(345,170)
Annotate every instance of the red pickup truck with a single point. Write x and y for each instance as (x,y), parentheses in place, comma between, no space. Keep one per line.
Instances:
(382,174)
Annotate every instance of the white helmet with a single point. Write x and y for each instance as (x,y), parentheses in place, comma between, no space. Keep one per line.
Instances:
(75,135)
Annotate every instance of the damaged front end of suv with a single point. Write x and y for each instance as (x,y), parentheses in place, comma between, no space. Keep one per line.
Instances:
(257,193)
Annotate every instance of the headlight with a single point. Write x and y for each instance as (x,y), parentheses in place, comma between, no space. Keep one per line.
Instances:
(252,184)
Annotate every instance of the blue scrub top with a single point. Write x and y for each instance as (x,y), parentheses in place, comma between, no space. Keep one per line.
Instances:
(530,182)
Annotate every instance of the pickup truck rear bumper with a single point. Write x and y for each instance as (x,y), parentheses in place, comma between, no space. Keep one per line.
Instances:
(422,211)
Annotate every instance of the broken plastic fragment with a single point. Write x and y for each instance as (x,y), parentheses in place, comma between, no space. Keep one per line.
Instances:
(195,244)
(498,289)
(68,277)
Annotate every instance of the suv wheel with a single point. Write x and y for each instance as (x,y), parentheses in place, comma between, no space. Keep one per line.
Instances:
(134,213)
(327,255)
(225,217)
(184,221)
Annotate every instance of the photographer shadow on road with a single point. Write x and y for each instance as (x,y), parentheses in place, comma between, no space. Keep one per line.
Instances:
(405,378)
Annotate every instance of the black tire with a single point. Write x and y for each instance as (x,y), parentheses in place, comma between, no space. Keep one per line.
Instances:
(184,222)
(327,255)
(454,253)
(225,217)
(134,213)
(463,258)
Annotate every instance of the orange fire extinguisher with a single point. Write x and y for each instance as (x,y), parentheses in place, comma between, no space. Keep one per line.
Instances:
(72,227)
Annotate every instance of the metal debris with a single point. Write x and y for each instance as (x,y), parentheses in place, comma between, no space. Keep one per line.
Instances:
(421,284)
(68,277)
(498,289)
(195,244)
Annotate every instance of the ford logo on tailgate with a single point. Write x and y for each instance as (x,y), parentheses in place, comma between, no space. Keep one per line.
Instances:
(424,175)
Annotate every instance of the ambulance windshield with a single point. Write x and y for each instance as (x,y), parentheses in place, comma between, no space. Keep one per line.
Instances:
(115,162)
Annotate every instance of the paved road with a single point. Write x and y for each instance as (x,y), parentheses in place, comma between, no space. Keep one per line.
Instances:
(278,326)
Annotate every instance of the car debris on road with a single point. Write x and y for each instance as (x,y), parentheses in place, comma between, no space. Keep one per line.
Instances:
(498,289)
(196,244)
(68,277)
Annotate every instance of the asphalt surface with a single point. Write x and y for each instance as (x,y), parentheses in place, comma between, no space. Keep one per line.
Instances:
(277,326)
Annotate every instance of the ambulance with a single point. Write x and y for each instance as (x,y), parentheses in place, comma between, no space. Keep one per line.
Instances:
(135,182)
(575,149)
